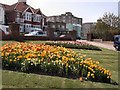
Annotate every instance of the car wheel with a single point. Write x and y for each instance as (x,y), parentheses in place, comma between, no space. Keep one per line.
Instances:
(117,48)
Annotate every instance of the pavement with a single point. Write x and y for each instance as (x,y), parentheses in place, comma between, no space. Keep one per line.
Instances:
(103,44)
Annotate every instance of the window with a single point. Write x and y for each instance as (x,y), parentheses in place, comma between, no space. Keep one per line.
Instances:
(63,27)
(40,32)
(18,14)
(37,18)
(63,20)
(58,26)
(27,16)
(63,16)
(53,18)
(53,26)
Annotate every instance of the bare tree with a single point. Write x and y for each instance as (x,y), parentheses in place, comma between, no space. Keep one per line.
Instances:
(112,20)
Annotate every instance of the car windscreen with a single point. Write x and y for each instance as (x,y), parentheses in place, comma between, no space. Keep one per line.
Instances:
(40,32)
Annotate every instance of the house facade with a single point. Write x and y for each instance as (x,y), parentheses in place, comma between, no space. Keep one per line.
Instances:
(70,21)
(87,27)
(2,14)
(25,15)
(119,8)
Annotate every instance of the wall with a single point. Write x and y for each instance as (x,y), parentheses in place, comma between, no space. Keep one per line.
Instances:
(2,13)
(119,8)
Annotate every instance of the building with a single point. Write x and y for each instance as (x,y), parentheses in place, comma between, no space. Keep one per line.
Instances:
(119,8)
(2,14)
(87,28)
(66,18)
(59,27)
(72,22)
(25,15)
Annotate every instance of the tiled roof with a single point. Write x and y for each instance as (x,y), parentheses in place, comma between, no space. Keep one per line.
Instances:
(20,6)
(6,7)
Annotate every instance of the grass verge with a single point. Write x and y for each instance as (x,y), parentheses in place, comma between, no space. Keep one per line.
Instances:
(107,59)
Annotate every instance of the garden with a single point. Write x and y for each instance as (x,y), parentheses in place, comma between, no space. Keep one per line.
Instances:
(54,60)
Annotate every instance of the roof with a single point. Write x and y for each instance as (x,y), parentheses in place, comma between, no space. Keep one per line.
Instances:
(20,6)
(6,7)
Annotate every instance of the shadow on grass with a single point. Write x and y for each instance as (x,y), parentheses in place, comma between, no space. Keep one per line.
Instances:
(68,76)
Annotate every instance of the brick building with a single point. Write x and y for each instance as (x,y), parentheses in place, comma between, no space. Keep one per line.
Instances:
(25,15)
(66,18)
(72,22)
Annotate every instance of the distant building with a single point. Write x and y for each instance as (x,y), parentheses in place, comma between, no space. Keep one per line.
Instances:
(66,18)
(119,8)
(25,15)
(2,14)
(72,22)
(59,27)
(87,28)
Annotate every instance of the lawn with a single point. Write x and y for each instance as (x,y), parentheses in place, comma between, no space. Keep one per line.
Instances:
(107,59)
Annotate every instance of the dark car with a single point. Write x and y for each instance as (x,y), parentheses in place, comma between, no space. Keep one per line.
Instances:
(117,42)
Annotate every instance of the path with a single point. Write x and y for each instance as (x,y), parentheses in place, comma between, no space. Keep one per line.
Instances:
(104,44)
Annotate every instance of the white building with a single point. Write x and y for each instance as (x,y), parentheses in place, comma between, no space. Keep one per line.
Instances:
(119,8)
(87,28)
(2,14)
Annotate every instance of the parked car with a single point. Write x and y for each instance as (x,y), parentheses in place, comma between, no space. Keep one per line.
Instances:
(36,29)
(62,36)
(36,33)
(4,29)
(117,42)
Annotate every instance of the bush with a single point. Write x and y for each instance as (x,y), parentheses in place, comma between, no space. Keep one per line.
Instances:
(51,60)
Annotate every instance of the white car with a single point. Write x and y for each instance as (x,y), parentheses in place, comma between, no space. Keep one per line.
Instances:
(36,33)
(61,36)
(36,29)
(4,29)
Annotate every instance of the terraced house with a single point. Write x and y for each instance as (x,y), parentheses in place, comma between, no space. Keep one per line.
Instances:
(25,15)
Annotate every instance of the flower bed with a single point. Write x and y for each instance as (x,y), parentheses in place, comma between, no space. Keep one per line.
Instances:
(74,44)
(52,60)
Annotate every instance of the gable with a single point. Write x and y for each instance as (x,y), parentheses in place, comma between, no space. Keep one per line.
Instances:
(29,10)
(38,12)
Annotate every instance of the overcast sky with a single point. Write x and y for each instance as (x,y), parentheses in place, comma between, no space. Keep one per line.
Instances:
(89,10)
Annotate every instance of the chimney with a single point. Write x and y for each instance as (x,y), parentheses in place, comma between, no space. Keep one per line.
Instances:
(24,1)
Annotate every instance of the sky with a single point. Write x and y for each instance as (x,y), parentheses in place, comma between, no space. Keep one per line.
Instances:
(89,10)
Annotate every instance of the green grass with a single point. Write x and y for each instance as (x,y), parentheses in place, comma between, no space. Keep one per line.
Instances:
(107,59)
(22,80)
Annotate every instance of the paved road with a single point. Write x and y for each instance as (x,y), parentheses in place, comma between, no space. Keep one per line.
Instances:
(108,45)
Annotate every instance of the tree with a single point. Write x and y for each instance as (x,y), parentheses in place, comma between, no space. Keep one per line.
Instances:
(112,20)
(107,27)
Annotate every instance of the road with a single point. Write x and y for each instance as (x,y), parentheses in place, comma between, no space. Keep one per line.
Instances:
(103,44)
